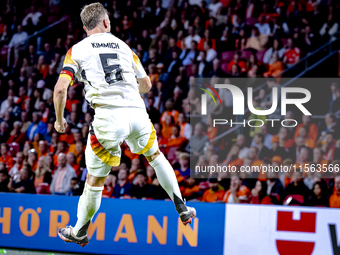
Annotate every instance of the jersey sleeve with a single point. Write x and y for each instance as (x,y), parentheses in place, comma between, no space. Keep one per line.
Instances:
(70,66)
(137,66)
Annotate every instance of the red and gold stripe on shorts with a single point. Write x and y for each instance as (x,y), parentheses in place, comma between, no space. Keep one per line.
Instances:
(102,153)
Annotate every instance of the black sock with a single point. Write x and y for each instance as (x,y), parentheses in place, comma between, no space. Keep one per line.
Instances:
(83,230)
(180,206)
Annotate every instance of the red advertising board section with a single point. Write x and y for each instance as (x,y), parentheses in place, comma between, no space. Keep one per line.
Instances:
(284,230)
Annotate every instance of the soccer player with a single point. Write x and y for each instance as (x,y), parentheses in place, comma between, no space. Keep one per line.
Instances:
(114,79)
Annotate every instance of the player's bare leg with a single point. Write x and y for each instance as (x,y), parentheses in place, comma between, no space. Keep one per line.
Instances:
(168,181)
(88,205)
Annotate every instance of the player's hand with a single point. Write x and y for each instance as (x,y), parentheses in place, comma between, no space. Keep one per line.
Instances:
(60,127)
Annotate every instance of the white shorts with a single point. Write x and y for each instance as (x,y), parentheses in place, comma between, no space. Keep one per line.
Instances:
(110,128)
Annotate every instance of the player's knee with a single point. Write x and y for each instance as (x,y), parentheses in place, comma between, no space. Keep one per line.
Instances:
(95,181)
(156,154)
(153,156)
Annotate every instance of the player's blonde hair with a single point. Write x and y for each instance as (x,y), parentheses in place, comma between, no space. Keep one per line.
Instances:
(92,14)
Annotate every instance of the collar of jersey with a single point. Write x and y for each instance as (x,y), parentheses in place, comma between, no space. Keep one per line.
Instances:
(99,33)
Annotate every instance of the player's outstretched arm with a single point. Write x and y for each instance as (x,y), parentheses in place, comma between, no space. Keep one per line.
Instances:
(59,99)
(144,84)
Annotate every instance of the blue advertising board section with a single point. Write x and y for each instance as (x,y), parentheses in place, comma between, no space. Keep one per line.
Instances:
(120,226)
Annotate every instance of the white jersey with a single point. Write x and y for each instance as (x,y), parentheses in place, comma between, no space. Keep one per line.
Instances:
(108,68)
